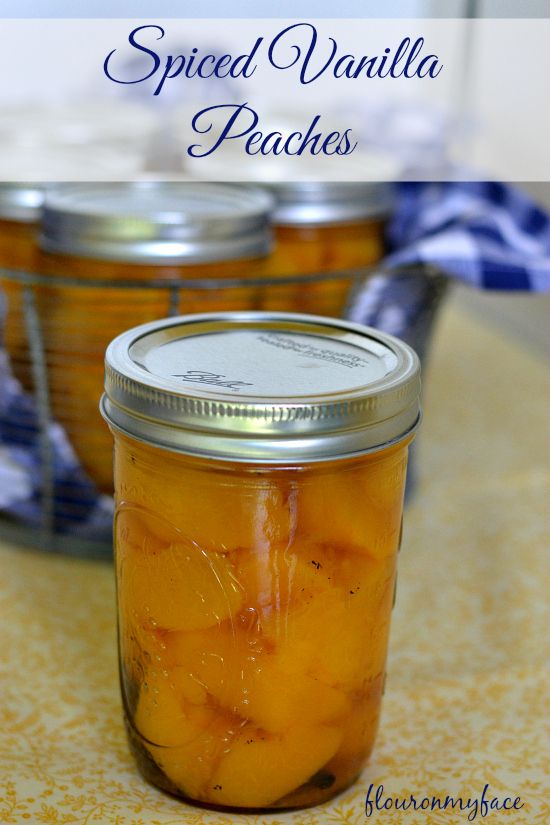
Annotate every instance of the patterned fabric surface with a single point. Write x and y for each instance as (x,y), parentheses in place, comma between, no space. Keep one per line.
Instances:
(488,235)
(469,673)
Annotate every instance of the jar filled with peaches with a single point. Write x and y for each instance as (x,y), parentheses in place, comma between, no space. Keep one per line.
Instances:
(116,255)
(260,463)
(20,206)
(327,236)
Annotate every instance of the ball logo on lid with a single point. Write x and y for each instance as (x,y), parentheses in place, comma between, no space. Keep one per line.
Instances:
(212,378)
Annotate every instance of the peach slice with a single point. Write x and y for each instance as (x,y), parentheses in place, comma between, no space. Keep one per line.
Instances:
(260,768)
(280,696)
(276,576)
(252,677)
(357,507)
(218,512)
(359,732)
(186,741)
(339,635)
(328,641)
(167,580)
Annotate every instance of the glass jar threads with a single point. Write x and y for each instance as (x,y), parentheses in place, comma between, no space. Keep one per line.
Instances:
(116,255)
(259,474)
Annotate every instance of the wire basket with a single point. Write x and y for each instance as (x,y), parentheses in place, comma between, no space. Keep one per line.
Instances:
(47,499)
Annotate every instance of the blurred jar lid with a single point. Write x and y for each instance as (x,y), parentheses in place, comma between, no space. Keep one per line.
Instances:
(306,203)
(21,202)
(155,222)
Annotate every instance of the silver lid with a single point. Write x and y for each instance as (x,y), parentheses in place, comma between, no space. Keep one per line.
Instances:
(327,202)
(158,223)
(21,202)
(261,387)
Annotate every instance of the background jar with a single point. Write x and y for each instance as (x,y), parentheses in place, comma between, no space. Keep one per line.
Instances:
(20,206)
(259,475)
(116,255)
(329,232)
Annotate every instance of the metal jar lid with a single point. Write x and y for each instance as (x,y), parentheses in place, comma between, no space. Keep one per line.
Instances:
(21,202)
(261,387)
(326,202)
(157,223)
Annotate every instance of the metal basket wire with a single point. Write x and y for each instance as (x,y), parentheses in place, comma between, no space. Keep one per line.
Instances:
(54,519)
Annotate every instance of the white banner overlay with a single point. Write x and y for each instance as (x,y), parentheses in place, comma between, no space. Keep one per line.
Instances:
(273,99)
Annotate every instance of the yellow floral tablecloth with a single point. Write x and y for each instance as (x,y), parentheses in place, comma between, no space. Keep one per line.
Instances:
(467,699)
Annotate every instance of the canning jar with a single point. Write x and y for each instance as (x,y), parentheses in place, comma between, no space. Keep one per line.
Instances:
(117,255)
(20,206)
(259,473)
(329,232)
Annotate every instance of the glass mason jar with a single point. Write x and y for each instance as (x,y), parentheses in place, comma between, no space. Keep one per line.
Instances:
(117,255)
(259,473)
(20,205)
(329,232)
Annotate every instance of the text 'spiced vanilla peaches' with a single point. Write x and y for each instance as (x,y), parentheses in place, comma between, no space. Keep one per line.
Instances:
(260,466)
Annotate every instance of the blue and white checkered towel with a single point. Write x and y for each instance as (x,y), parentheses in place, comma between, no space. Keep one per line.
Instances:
(487,235)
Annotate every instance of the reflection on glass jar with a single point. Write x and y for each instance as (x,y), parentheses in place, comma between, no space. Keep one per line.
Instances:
(259,475)
(109,255)
(335,230)
(20,206)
